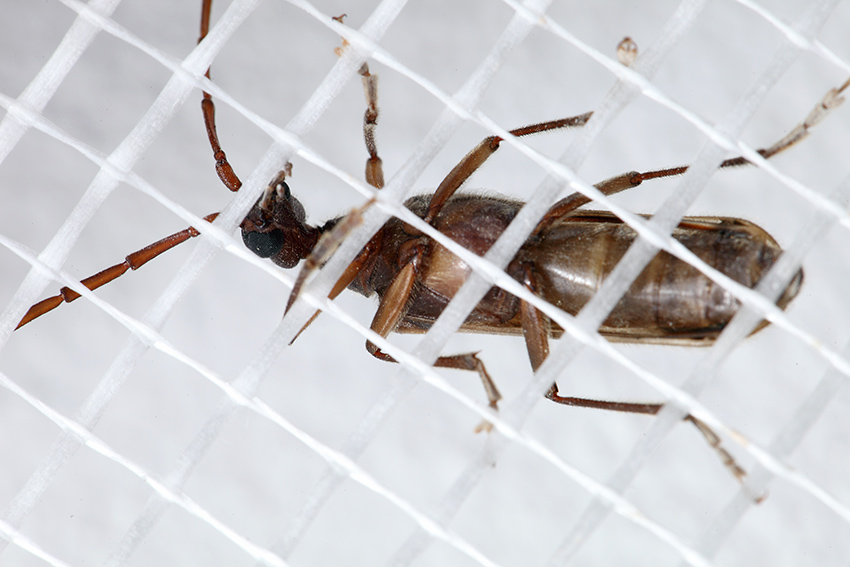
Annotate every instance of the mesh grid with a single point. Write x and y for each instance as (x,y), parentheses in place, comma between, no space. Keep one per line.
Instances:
(236,479)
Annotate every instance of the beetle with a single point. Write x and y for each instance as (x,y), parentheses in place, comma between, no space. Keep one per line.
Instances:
(564,260)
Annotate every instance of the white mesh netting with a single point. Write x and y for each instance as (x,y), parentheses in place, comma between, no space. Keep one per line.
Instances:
(220,445)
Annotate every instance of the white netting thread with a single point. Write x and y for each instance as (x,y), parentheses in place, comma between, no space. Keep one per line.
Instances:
(241,391)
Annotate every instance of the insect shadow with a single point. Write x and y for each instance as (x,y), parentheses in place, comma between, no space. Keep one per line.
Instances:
(564,261)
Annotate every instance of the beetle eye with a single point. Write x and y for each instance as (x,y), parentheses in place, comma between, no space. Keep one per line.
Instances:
(264,244)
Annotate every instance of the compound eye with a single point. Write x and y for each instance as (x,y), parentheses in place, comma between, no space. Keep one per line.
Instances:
(264,244)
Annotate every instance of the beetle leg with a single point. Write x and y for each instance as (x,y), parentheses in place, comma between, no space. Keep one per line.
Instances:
(570,203)
(392,308)
(330,241)
(536,326)
(536,329)
(711,437)
(374,167)
(351,272)
(473,160)
(830,101)
(626,407)
(714,440)
(470,361)
(325,248)
(391,311)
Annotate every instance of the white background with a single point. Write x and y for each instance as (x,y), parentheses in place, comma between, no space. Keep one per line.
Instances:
(255,478)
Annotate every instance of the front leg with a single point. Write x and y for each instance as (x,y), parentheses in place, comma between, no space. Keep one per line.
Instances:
(392,309)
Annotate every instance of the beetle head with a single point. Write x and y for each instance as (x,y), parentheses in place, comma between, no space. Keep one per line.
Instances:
(275,227)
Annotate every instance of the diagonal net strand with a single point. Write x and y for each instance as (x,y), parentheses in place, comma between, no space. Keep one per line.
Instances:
(251,376)
(361,437)
(809,410)
(546,193)
(630,266)
(166,491)
(123,158)
(138,535)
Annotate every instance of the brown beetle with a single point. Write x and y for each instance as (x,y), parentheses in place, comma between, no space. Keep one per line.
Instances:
(564,260)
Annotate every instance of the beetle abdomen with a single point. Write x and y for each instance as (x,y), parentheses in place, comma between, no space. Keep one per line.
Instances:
(670,301)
